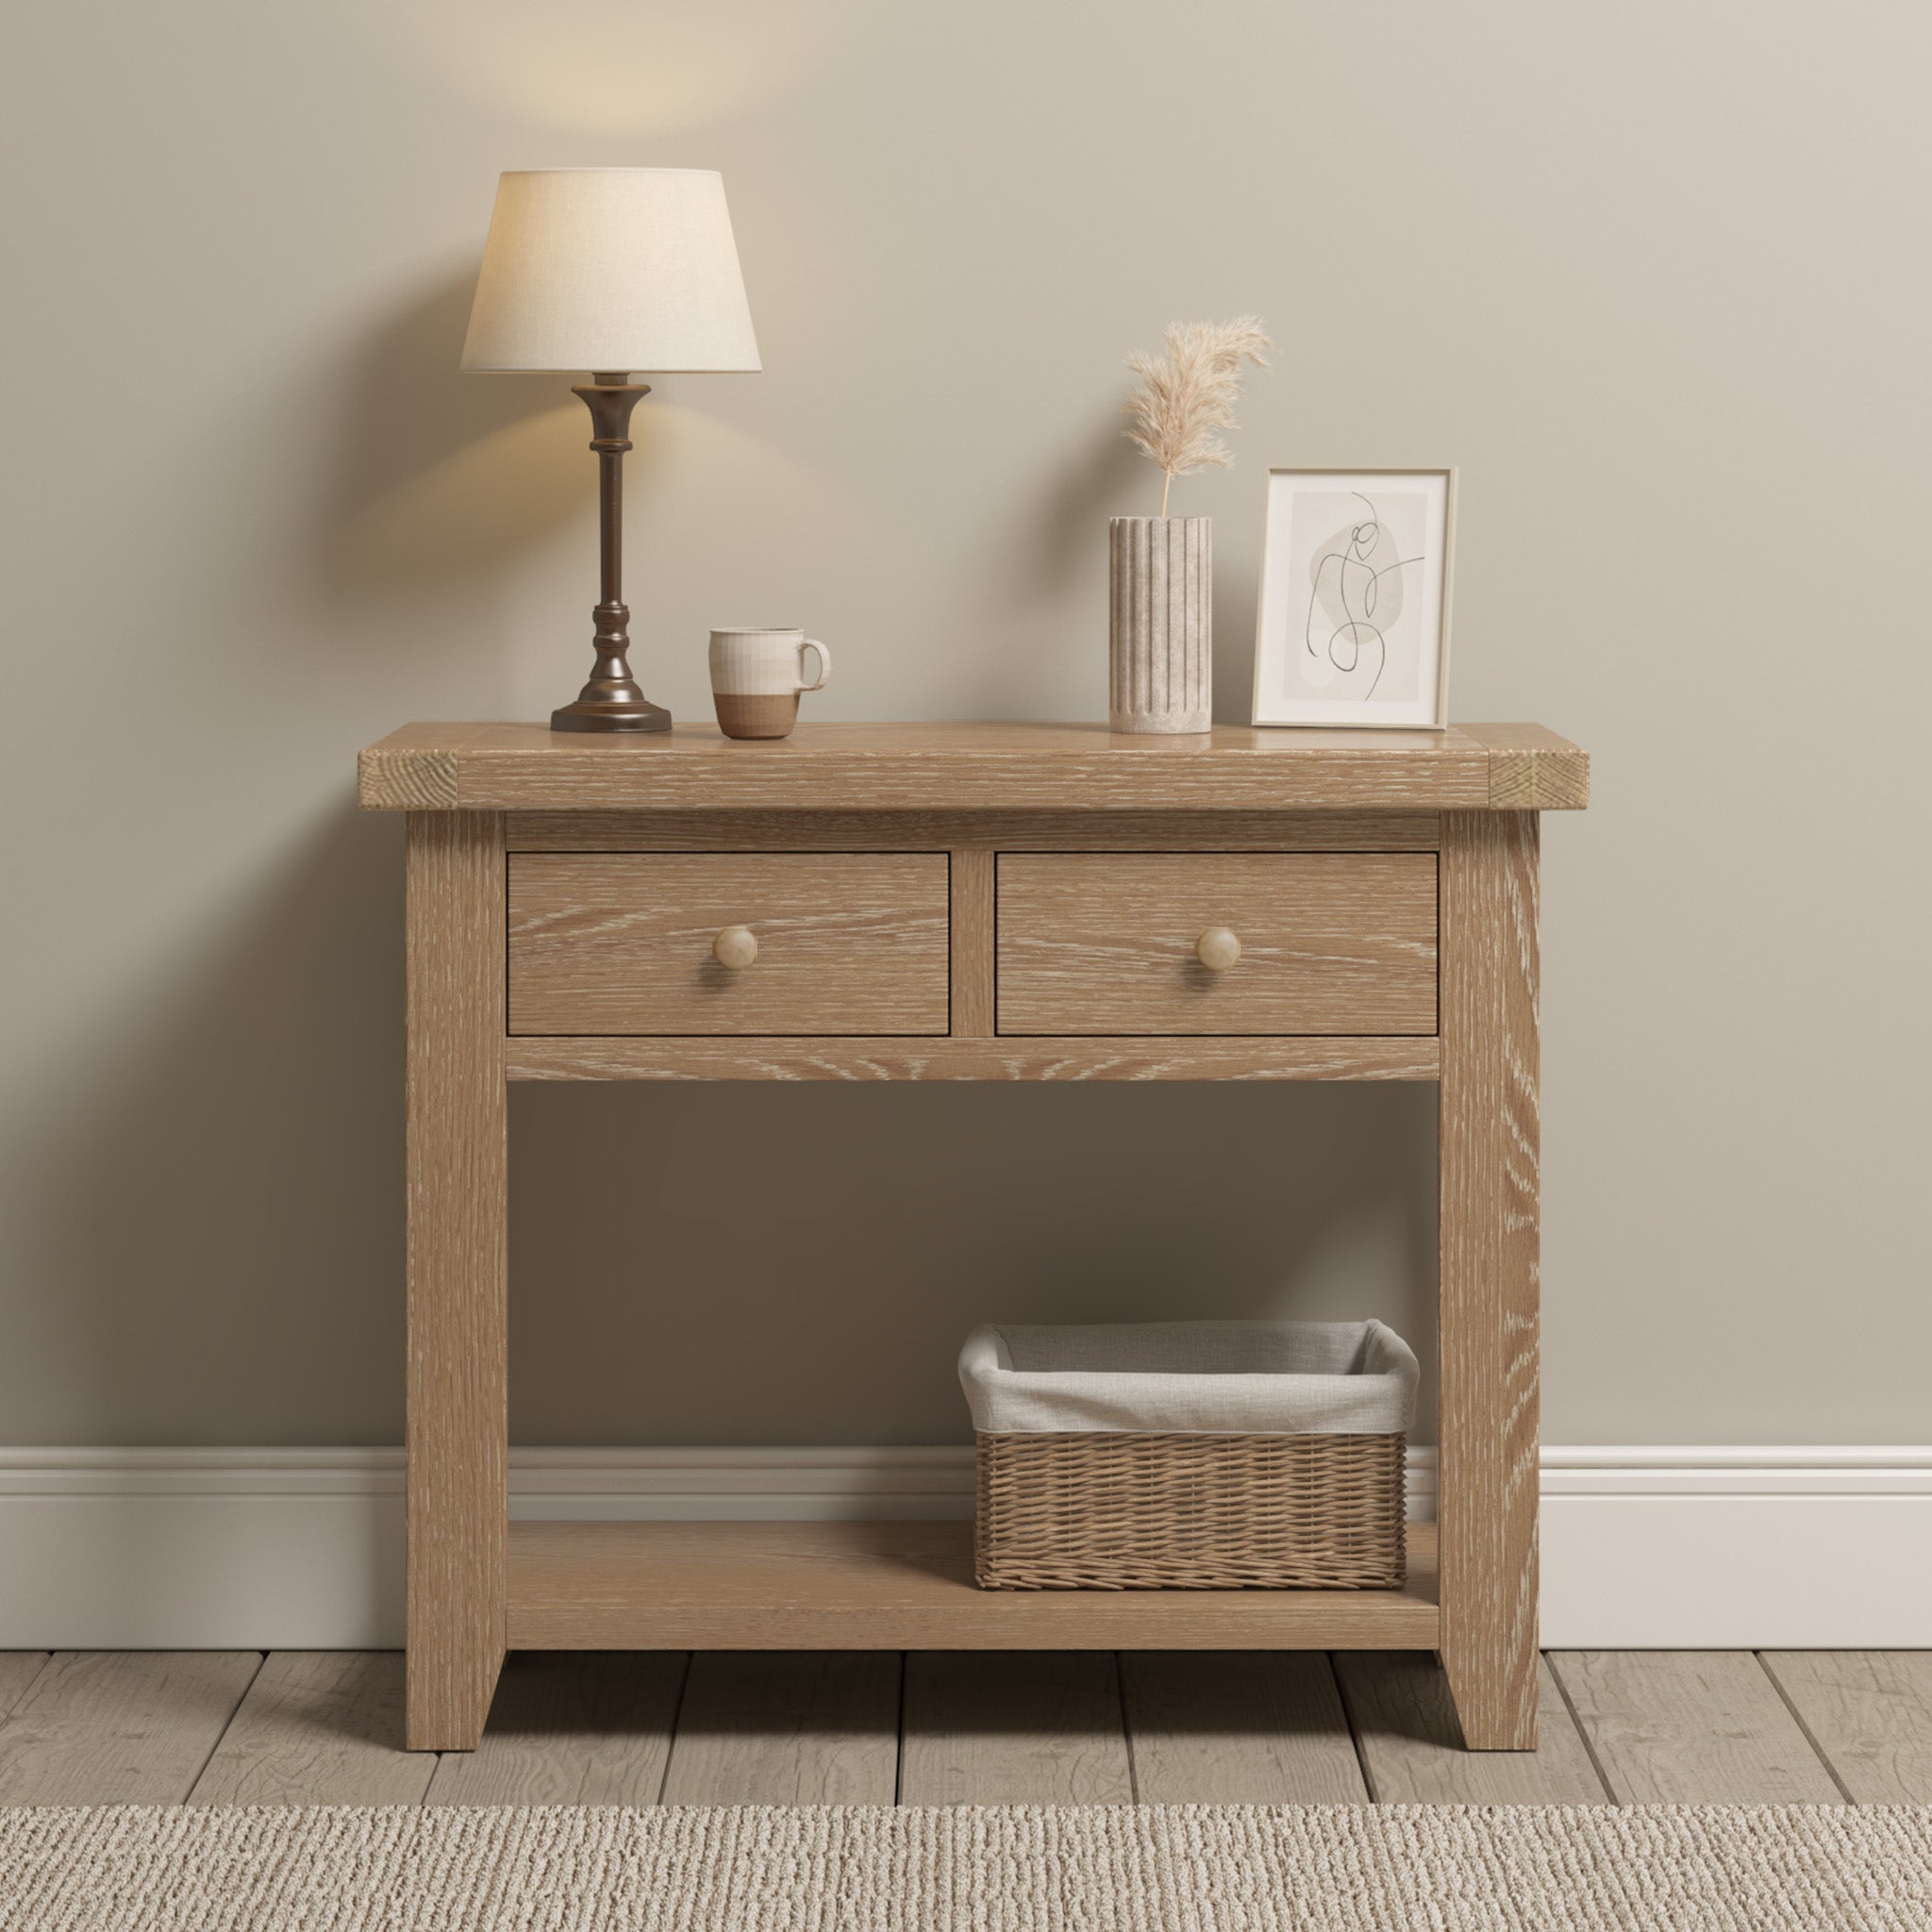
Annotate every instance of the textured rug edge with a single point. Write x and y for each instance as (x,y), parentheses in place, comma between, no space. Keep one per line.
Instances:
(1338,1868)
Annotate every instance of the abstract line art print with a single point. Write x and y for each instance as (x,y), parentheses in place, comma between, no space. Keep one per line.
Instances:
(1355,595)
(1354,599)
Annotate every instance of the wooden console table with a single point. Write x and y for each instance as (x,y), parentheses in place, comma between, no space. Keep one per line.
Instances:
(979,902)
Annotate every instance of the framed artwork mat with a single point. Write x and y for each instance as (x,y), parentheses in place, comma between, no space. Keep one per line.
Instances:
(1353,626)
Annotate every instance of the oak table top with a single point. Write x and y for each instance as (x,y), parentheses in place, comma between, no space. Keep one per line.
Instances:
(967,767)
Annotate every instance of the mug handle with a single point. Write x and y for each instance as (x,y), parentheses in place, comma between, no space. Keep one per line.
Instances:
(824,662)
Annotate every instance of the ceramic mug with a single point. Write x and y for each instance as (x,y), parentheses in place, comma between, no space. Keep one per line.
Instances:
(758,671)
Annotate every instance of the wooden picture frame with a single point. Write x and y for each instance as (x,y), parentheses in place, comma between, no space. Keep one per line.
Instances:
(1333,646)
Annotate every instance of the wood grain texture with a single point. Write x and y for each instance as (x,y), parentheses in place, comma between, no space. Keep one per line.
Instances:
(415,769)
(17,1670)
(457,1270)
(955,766)
(1310,1056)
(1532,769)
(407,780)
(1488,1324)
(801,1727)
(120,1728)
(318,1727)
(1105,943)
(972,941)
(815,830)
(1014,1727)
(1405,1724)
(1869,1712)
(622,943)
(1691,1727)
(1239,1727)
(589,1727)
(899,1586)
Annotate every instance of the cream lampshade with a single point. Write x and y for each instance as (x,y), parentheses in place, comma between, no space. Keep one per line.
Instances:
(610,269)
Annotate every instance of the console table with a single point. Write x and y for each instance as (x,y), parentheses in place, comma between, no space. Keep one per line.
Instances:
(961,902)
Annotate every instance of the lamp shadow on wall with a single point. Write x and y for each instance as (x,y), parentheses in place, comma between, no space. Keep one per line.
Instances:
(438,475)
(217,1215)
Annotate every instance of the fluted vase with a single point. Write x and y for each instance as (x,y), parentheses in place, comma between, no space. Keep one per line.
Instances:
(1161,622)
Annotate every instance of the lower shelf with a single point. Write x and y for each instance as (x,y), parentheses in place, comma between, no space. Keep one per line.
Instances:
(901,1586)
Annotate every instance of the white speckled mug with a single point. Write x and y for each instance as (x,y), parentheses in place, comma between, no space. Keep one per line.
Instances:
(758,671)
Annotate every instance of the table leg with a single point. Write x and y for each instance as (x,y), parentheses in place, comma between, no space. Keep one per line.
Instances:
(459,1425)
(1487,1479)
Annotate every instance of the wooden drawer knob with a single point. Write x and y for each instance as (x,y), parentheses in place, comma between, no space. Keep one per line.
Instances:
(1217,949)
(736,946)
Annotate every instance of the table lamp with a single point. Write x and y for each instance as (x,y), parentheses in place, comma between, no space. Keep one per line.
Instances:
(611,270)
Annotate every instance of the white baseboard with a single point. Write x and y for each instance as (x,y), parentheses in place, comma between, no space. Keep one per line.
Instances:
(1730,1549)
(1813,1548)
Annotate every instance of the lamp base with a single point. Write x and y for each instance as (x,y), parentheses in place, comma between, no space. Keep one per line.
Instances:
(610,701)
(629,715)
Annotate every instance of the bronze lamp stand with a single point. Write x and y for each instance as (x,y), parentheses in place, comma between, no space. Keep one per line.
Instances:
(610,701)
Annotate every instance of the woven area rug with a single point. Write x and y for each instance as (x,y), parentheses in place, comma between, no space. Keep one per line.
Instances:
(1114,1869)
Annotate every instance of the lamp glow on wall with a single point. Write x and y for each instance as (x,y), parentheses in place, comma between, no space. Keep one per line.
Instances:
(611,270)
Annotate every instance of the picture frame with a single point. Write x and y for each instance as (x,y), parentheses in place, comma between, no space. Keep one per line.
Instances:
(1333,646)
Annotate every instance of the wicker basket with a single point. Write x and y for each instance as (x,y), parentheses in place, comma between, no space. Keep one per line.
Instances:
(1190,1513)
(1115,1509)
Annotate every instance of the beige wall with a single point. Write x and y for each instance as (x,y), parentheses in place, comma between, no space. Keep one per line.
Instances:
(1654,275)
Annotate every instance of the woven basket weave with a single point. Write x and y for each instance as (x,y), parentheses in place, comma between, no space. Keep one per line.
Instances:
(1115,1512)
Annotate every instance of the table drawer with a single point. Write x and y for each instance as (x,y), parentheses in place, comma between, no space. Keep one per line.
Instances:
(615,942)
(1105,943)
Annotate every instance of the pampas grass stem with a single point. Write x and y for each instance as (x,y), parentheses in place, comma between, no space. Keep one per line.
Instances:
(1189,391)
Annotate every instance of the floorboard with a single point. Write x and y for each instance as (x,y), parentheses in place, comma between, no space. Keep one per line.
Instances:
(571,1727)
(1869,1713)
(1693,1727)
(786,1727)
(318,1727)
(1239,1727)
(120,1728)
(1411,1746)
(1013,1727)
(1049,1727)
(18,1669)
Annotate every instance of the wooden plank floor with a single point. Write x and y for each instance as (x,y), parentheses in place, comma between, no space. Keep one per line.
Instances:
(727,1727)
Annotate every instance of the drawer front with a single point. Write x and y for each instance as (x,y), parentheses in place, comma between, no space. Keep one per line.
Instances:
(615,942)
(1105,943)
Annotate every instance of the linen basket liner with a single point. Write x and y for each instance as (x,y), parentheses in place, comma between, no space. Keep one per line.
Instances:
(1189,1379)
